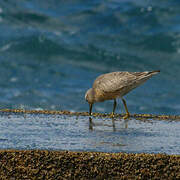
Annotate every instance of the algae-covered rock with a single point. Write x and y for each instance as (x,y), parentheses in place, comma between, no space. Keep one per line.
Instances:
(42,164)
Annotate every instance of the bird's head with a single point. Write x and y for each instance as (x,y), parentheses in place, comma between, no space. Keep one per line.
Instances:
(89,96)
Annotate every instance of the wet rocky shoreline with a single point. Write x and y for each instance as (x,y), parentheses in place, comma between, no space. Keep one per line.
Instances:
(43,164)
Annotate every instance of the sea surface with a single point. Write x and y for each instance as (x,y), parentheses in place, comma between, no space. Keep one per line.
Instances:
(51,51)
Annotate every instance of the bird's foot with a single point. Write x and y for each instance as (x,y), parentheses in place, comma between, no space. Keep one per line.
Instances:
(112,115)
(126,116)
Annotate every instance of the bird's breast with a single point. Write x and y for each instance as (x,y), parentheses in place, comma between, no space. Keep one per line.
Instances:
(101,96)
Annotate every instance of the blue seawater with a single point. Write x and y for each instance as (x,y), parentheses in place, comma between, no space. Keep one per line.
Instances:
(51,51)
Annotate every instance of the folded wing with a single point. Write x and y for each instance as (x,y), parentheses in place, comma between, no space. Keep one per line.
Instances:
(120,83)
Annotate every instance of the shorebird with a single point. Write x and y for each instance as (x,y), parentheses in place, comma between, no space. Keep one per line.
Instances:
(115,85)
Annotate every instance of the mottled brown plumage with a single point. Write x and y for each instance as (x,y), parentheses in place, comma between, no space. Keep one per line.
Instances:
(115,85)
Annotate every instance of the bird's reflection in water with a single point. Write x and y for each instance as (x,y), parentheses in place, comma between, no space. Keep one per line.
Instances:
(126,123)
(92,124)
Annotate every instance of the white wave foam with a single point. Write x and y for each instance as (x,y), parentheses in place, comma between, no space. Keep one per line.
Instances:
(5,47)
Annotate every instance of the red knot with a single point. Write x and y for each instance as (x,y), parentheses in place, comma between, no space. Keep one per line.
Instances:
(115,85)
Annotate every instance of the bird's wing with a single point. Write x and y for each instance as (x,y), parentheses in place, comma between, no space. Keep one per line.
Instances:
(115,81)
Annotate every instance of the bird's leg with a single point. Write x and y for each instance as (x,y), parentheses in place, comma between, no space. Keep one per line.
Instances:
(90,109)
(127,112)
(114,108)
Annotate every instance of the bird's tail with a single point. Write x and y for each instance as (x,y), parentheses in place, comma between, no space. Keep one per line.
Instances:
(153,72)
(146,75)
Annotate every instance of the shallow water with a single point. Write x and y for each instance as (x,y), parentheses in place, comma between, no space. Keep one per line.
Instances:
(57,132)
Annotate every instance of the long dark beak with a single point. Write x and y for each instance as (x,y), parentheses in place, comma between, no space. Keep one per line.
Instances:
(90,109)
